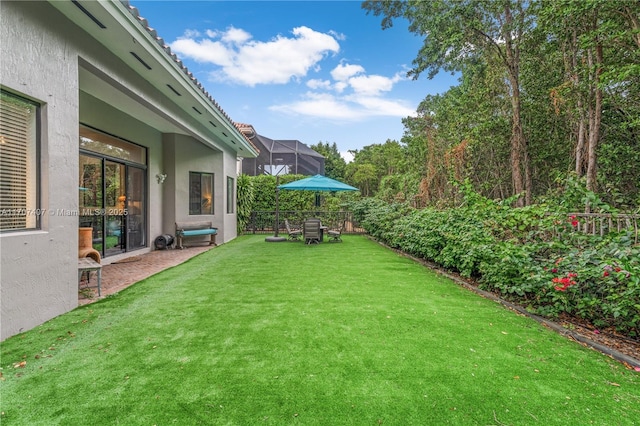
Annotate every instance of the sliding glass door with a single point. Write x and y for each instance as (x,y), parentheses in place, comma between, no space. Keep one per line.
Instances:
(112,192)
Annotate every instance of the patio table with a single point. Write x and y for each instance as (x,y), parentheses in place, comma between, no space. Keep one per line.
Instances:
(87,264)
(323,229)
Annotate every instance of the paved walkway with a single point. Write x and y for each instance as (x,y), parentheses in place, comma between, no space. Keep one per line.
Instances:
(121,274)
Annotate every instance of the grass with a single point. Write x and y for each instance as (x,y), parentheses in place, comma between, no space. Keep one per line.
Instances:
(334,334)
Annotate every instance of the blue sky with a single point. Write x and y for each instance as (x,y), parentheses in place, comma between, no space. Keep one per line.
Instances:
(315,71)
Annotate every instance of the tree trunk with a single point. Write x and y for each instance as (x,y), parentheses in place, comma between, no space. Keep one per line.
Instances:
(519,155)
(581,141)
(517,137)
(634,21)
(595,121)
(581,132)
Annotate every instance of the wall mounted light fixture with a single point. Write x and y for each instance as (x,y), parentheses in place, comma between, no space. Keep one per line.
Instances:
(160,177)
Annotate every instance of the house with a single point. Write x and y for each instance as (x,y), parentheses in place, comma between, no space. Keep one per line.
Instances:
(101,127)
(287,156)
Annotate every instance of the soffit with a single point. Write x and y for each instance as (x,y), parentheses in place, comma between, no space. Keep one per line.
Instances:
(129,38)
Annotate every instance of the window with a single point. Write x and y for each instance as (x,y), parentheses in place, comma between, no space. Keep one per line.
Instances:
(231,189)
(200,193)
(19,169)
(110,146)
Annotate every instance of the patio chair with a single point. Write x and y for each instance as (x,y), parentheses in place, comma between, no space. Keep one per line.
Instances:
(294,234)
(335,235)
(311,231)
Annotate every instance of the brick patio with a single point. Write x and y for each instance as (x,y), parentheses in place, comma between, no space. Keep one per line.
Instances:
(121,274)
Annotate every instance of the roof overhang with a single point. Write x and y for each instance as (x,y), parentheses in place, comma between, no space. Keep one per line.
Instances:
(120,29)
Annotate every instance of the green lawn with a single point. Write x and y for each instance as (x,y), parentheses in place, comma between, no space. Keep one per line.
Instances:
(282,333)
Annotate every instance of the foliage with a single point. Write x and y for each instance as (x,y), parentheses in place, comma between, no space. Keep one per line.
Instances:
(571,195)
(570,60)
(461,35)
(334,164)
(533,255)
(265,195)
(265,190)
(372,163)
(245,201)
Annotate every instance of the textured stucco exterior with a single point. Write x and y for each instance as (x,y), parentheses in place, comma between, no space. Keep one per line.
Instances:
(182,155)
(77,79)
(38,277)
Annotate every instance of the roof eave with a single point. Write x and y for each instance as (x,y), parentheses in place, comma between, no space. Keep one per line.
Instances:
(192,98)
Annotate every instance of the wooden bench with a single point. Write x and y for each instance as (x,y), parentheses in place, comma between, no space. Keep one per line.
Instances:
(195,229)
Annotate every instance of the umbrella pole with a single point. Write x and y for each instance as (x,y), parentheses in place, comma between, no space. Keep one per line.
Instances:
(276,238)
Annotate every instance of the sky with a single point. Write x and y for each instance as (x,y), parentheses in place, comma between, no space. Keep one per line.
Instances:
(315,71)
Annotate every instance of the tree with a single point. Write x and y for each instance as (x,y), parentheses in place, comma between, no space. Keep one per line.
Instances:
(458,31)
(372,163)
(364,177)
(334,164)
(600,42)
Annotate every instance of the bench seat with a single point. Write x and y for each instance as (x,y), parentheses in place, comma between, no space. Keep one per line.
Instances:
(194,229)
(188,233)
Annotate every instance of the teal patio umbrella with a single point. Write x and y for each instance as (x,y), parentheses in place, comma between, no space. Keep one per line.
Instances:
(317,183)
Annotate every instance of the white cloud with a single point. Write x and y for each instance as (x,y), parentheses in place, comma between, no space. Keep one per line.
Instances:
(374,105)
(192,33)
(356,96)
(337,35)
(319,84)
(345,71)
(235,36)
(320,106)
(348,93)
(372,85)
(344,108)
(340,86)
(249,62)
(203,51)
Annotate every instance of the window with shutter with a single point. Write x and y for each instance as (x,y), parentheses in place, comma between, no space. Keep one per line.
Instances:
(18,163)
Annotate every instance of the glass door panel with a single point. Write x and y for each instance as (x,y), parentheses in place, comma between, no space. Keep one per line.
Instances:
(114,212)
(136,208)
(91,205)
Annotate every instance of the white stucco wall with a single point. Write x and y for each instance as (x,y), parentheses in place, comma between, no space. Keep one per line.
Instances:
(230,219)
(183,154)
(48,59)
(38,273)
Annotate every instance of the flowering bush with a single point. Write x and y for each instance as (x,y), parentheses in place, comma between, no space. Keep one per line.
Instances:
(562,284)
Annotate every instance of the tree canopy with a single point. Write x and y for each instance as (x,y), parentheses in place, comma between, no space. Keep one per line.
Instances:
(549,91)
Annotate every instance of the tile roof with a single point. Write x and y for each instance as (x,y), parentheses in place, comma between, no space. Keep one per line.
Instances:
(248,132)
